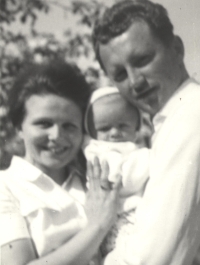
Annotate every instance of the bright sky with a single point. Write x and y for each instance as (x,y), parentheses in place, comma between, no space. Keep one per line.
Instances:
(185,16)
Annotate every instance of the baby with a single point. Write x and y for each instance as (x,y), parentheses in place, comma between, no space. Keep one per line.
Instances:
(113,125)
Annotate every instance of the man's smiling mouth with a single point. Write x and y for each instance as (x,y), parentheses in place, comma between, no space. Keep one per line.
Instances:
(146,93)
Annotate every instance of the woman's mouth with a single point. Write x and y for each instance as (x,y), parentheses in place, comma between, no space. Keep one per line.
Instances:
(56,150)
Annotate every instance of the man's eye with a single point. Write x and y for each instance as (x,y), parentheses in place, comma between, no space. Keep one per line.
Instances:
(120,76)
(144,60)
(69,127)
(123,126)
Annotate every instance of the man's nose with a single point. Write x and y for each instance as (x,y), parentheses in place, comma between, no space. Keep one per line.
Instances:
(137,80)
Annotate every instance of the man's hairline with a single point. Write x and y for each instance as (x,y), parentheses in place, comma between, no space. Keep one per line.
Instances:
(140,20)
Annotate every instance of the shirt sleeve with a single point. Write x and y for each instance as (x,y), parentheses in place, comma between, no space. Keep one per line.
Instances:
(12,223)
(167,230)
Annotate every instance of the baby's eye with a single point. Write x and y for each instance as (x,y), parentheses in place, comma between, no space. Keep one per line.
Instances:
(103,129)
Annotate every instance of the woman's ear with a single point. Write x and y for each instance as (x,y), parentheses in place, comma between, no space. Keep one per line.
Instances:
(179,48)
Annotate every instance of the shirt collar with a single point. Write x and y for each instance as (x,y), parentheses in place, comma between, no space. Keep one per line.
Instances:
(171,104)
(29,172)
(53,195)
(24,169)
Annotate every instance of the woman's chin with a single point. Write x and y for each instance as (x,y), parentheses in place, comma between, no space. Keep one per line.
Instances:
(53,163)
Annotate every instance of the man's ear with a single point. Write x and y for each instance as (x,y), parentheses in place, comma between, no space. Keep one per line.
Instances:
(179,47)
(19,132)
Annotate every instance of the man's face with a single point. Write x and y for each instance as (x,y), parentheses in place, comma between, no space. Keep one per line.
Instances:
(145,71)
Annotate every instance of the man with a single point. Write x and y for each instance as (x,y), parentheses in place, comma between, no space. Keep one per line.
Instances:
(135,45)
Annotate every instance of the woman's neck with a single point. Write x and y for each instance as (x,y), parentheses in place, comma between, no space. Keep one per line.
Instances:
(58,175)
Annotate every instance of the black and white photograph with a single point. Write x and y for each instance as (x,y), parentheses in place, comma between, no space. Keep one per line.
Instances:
(99,132)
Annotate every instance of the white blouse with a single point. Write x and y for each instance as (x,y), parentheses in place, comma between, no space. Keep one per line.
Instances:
(33,206)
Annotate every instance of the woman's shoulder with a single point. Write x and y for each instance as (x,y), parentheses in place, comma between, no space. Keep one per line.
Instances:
(5,176)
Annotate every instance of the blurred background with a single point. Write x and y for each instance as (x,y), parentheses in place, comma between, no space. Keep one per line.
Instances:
(39,30)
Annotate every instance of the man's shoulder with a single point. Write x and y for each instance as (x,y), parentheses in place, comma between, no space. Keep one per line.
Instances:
(192,89)
(187,98)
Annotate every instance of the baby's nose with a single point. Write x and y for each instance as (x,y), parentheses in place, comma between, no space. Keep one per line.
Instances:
(115,132)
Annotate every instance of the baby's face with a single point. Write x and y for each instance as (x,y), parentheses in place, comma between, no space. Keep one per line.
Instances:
(115,120)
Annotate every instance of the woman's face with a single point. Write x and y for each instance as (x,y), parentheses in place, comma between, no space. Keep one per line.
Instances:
(51,130)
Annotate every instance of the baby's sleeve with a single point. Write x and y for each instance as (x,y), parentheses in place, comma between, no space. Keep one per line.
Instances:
(104,151)
(135,170)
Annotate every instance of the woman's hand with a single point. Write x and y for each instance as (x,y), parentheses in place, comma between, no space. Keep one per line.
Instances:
(102,197)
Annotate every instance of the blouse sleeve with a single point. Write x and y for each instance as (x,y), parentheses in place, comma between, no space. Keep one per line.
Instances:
(12,223)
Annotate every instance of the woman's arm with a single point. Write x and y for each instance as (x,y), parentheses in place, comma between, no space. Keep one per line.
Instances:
(79,250)
(100,209)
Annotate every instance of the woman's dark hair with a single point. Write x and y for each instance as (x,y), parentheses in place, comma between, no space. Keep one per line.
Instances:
(118,18)
(59,78)
(56,77)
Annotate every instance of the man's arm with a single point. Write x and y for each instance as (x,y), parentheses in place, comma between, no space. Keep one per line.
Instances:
(167,230)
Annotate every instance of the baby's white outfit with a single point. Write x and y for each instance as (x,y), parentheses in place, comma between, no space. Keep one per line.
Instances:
(132,163)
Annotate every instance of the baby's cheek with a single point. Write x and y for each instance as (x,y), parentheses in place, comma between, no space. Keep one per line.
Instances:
(102,136)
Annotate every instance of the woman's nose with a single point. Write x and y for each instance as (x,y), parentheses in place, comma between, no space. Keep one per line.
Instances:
(55,132)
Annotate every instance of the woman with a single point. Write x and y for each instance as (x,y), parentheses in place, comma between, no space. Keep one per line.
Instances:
(42,195)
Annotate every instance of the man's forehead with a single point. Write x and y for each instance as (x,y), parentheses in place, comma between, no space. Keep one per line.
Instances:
(138,28)
(134,42)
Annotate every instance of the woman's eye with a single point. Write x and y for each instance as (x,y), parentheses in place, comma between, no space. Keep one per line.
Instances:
(123,126)
(44,124)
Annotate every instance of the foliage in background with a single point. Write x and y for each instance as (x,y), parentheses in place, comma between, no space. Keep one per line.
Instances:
(17,49)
